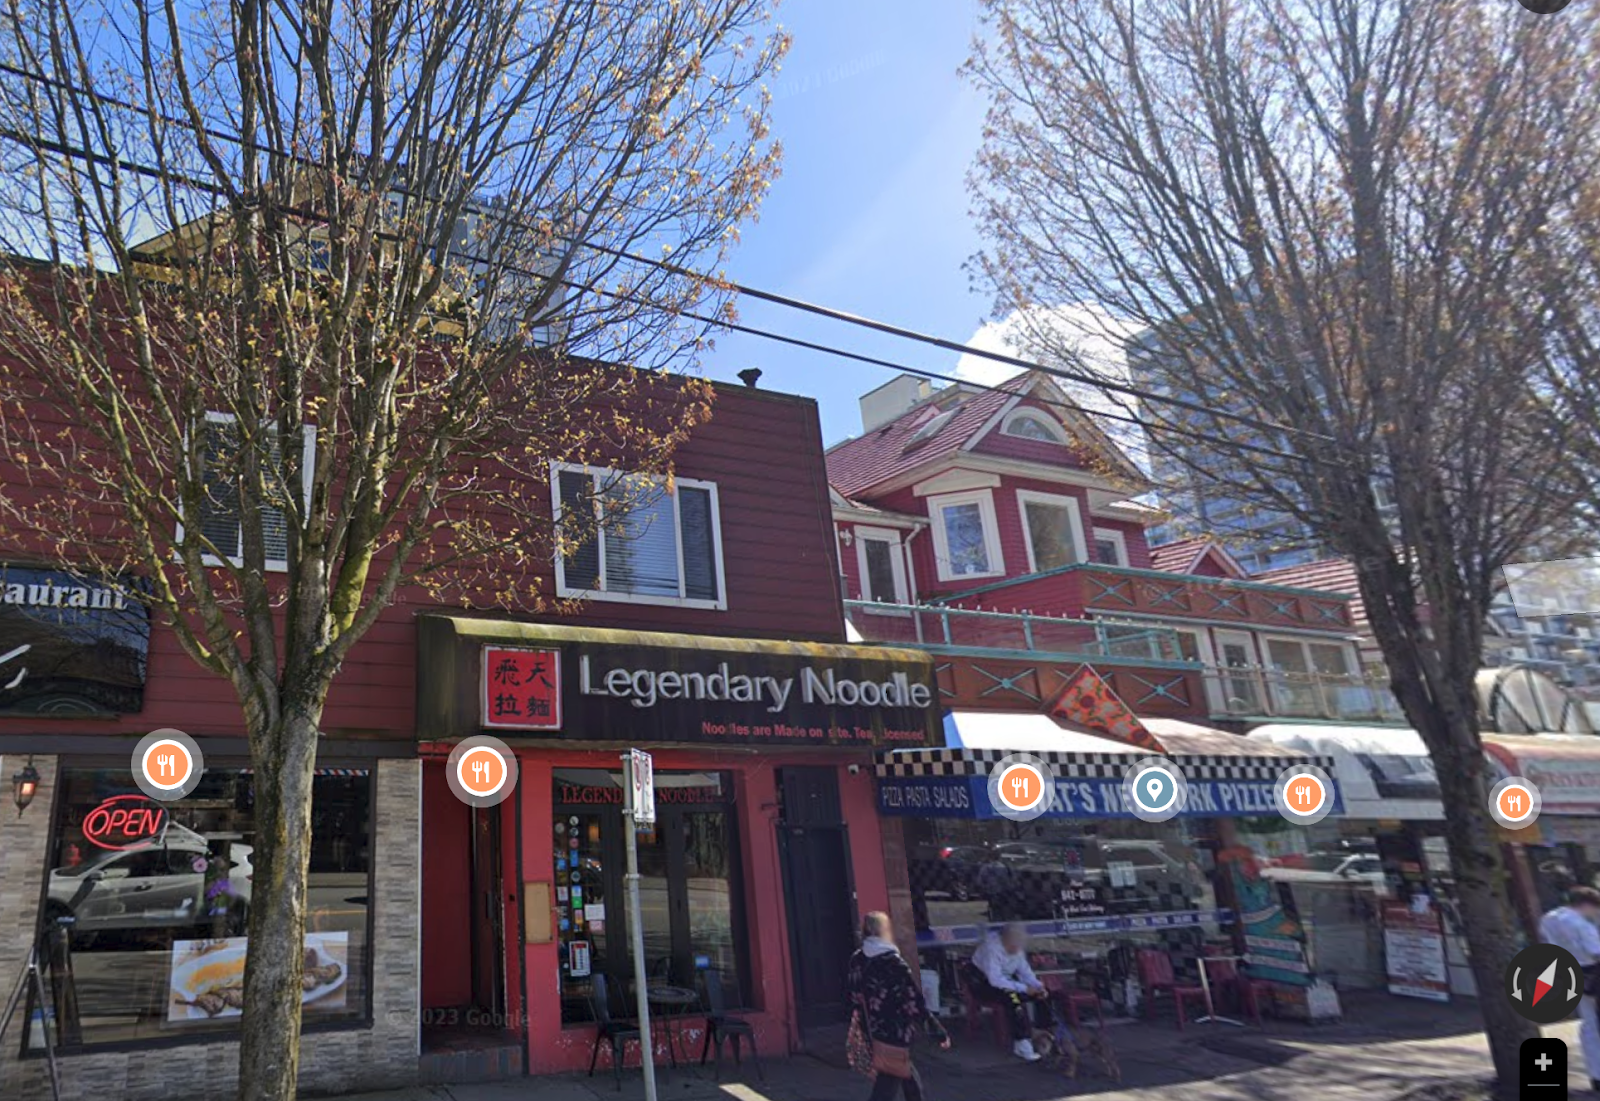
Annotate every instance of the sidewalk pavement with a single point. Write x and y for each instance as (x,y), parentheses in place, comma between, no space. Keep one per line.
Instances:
(1386,1048)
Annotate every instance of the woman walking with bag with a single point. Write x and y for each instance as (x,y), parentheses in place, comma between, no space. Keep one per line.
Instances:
(887,1011)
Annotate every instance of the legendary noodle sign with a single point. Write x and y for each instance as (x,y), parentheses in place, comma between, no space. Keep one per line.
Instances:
(641,687)
(123,821)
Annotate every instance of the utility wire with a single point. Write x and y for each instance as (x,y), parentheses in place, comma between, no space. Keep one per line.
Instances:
(1082,378)
(721,323)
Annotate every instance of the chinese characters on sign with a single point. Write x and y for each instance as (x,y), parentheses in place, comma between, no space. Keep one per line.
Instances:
(521,688)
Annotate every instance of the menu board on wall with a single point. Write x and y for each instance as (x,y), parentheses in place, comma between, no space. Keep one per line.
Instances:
(1413,946)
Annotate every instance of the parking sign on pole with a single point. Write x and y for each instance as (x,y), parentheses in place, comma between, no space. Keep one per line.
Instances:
(644,788)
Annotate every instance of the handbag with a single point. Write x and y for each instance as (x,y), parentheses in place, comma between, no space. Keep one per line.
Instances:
(858,1047)
(891,1059)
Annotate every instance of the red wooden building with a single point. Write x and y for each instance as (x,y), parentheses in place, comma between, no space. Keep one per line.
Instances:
(466,941)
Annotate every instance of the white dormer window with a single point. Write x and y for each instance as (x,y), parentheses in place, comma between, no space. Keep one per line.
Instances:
(1030,424)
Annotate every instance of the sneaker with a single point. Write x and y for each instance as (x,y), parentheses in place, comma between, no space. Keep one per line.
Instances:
(1023,1049)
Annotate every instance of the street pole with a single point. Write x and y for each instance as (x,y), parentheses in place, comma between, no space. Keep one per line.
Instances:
(647,1054)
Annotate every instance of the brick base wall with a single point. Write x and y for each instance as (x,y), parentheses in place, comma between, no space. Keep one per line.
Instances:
(382,1056)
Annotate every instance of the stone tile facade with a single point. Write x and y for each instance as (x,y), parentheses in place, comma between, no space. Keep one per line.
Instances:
(382,1056)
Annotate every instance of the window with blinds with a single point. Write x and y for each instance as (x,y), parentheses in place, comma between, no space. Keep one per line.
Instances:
(221,520)
(632,537)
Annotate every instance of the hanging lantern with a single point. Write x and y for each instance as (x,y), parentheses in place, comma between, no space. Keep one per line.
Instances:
(24,786)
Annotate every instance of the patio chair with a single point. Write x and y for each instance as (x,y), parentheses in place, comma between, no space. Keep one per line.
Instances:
(721,1025)
(975,1008)
(616,1033)
(1157,978)
(1073,998)
(1245,991)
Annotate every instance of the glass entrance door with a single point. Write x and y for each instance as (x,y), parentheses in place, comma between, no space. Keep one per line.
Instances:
(689,887)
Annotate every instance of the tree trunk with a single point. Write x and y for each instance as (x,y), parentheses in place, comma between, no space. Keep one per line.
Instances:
(269,1051)
(1483,890)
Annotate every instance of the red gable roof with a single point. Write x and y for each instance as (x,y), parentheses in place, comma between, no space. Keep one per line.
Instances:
(1185,556)
(858,464)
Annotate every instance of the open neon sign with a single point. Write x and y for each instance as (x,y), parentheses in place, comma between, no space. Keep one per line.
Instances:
(123,821)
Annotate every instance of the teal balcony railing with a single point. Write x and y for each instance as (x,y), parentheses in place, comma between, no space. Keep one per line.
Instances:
(944,628)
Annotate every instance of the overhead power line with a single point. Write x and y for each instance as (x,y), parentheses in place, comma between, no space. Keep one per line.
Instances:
(1082,378)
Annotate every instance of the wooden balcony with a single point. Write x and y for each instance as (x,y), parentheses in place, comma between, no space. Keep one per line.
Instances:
(1014,660)
(1086,588)
(1006,661)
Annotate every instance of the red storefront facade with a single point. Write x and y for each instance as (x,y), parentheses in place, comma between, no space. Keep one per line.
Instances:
(766,849)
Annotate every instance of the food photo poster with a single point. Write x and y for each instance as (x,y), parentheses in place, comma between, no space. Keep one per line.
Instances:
(207,977)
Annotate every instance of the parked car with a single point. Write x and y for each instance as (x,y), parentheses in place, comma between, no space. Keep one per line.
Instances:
(159,883)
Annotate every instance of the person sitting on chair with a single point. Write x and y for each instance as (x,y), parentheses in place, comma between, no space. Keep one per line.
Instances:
(1005,980)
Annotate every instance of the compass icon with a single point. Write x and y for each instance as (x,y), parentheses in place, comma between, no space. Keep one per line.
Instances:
(1544,983)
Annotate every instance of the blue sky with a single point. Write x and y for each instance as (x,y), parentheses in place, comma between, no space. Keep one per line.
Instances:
(870,214)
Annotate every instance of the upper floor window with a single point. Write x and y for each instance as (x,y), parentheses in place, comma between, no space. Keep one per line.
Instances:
(1054,530)
(221,512)
(966,539)
(883,568)
(1110,548)
(649,542)
(1029,424)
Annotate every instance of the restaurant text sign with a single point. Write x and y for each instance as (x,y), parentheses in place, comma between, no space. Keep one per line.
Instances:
(603,691)
(70,644)
(968,797)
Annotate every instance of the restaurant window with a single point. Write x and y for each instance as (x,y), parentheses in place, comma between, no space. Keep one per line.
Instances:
(690,887)
(639,538)
(146,906)
(1081,886)
(966,871)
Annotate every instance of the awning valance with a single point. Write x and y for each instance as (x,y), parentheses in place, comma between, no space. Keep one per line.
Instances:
(1383,772)
(1228,776)
(1565,768)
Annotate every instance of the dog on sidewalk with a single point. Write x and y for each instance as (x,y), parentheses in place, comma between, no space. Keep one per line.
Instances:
(1063,1049)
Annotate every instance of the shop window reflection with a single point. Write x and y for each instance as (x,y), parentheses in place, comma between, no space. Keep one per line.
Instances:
(145,920)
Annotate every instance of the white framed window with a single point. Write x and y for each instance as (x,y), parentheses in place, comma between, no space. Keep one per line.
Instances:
(221,519)
(883,566)
(1307,677)
(1304,656)
(1110,548)
(1053,529)
(1030,424)
(648,542)
(966,538)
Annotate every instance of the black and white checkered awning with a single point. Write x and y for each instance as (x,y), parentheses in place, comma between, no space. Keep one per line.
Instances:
(1105,766)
